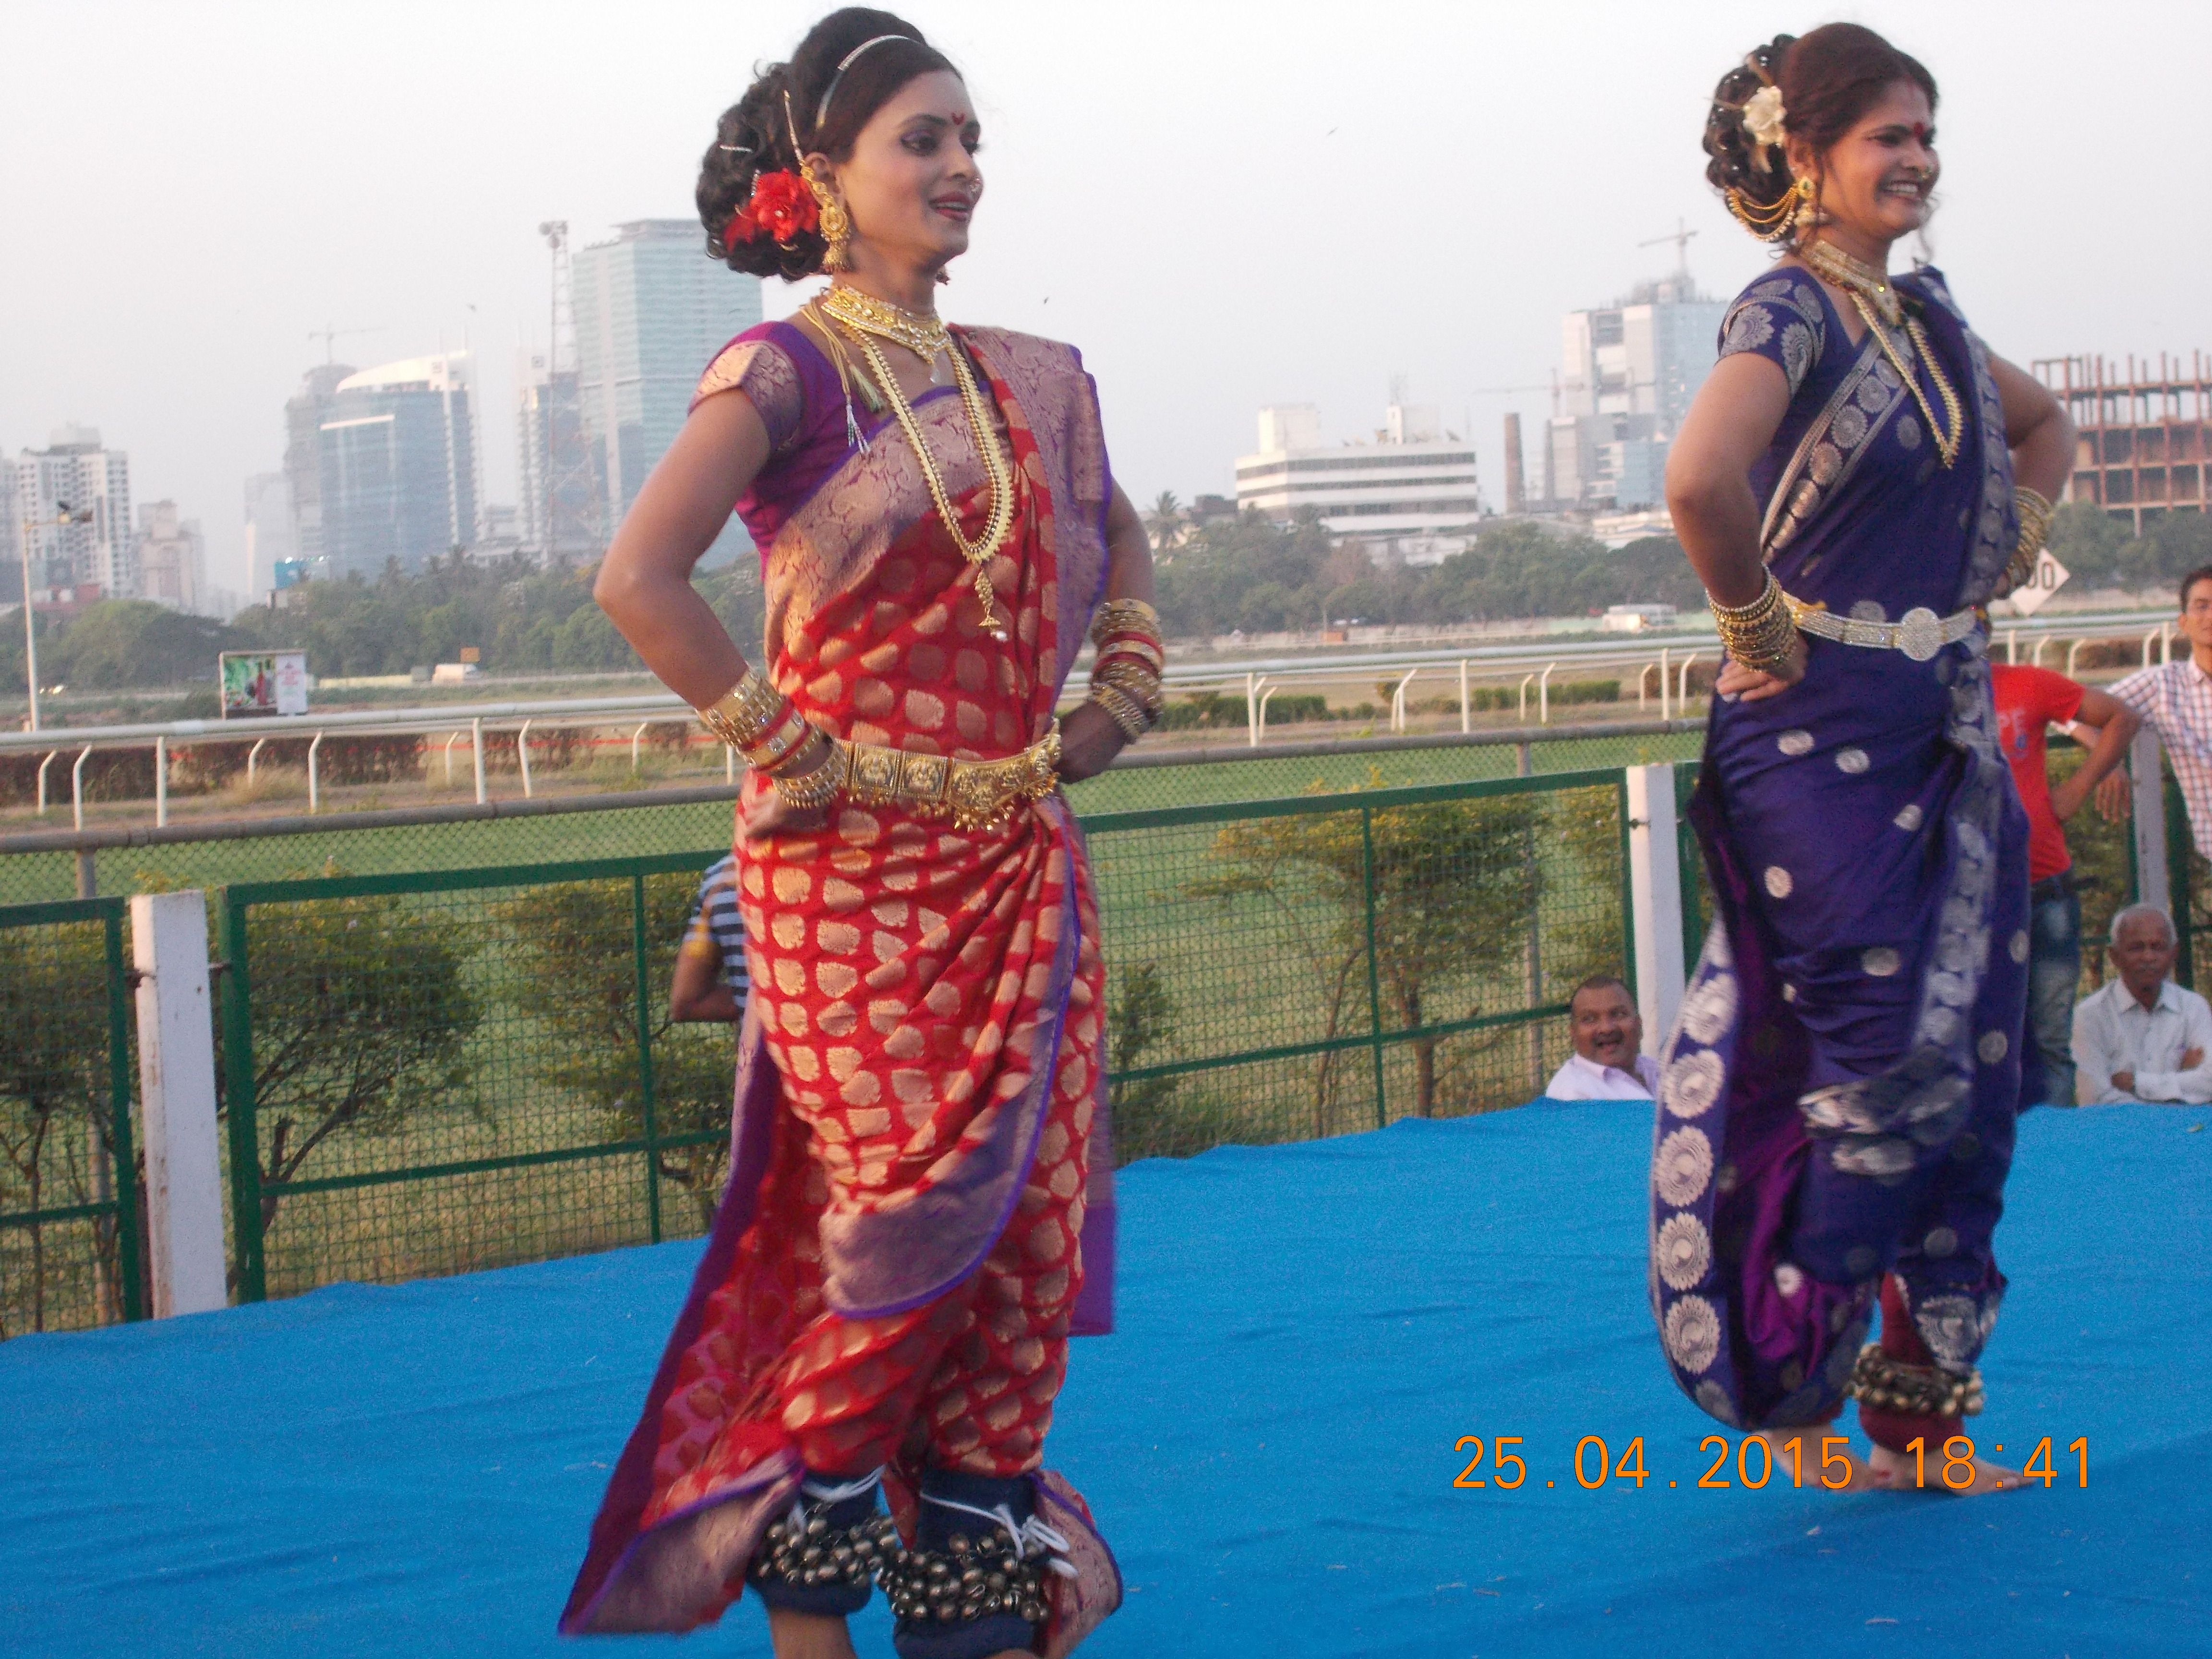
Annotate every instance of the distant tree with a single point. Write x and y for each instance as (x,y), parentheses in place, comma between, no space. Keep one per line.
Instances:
(575,950)
(362,1014)
(1140,1018)
(54,1108)
(133,643)
(2091,543)
(1455,886)
(1165,523)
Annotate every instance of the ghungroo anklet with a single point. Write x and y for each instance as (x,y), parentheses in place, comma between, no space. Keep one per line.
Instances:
(971,1579)
(823,1554)
(1889,1384)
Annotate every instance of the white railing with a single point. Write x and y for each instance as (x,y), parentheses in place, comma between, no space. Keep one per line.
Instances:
(1532,661)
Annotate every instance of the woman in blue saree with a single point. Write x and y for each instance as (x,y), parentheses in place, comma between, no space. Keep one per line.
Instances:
(1836,1100)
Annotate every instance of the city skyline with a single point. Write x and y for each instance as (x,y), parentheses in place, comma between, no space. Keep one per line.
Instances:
(1225,209)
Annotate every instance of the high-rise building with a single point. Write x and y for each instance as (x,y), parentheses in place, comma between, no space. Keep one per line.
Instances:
(652,310)
(11,539)
(1412,492)
(563,506)
(171,558)
(398,473)
(1629,372)
(272,535)
(75,563)
(304,414)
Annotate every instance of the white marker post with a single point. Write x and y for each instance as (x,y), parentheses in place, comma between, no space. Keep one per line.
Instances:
(176,1081)
(2148,799)
(1655,874)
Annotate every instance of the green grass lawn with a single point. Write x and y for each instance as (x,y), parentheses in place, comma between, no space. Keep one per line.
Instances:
(28,877)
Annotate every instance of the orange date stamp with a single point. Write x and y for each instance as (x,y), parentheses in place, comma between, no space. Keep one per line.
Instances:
(1802,1460)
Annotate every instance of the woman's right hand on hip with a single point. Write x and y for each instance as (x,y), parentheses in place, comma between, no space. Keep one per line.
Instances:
(1757,684)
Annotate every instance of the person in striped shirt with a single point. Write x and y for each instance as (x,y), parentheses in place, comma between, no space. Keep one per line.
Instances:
(2175,700)
(710,982)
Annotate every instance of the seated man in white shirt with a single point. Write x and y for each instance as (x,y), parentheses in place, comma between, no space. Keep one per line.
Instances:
(2141,1037)
(1609,1036)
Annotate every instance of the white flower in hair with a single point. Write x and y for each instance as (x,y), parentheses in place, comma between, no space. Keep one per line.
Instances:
(1763,116)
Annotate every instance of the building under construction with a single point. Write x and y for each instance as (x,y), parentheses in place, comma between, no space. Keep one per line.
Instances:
(2146,439)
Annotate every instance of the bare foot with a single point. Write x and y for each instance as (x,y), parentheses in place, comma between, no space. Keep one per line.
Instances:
(1833,1466)
(1902,1472)
(808,1635)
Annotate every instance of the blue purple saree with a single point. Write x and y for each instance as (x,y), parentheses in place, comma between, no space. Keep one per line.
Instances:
(1837,1099)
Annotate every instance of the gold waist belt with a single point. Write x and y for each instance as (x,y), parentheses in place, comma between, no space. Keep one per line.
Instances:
(1920,633)
(974,794)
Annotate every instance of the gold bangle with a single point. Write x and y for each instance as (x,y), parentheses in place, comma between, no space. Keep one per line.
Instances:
(746,712)
(2034,512)
(771,751)
(1122,710)
(1138,651)
(1124,616)
(1758,635)
(1136,682)
(805,790)
(811,745)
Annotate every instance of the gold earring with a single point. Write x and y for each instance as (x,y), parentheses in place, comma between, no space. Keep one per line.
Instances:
(1808,213)
(835,225)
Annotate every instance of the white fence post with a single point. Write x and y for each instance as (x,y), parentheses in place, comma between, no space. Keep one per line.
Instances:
(476,742)
(2149,821)
(176,1082)
(1654,869)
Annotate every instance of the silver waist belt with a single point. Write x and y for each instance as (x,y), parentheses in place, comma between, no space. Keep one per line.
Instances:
(1920,633)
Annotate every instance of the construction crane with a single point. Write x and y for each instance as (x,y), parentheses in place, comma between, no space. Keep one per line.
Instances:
(1680,239)
(329,335)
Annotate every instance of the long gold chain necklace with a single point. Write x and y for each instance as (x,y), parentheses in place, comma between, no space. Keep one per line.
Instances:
(1878,303)
(864,319)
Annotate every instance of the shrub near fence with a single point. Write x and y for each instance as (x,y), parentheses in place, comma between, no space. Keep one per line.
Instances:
(70,1180)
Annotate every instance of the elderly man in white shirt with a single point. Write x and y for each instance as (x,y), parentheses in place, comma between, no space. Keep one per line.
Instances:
(2141,1037)
(1608,1033)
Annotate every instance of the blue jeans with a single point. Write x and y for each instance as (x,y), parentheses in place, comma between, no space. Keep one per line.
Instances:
(2054,981)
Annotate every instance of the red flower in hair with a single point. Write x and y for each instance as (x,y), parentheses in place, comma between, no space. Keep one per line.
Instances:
(783,206)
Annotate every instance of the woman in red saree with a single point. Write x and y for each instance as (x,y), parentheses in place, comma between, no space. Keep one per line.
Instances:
(919,1213)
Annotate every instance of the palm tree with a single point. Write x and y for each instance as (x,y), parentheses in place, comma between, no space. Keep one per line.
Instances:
(1165,522)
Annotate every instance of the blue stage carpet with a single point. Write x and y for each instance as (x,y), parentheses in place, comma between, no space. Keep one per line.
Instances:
(1268,1442)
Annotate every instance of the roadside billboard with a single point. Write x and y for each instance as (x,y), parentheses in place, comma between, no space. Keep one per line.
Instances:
(256,683)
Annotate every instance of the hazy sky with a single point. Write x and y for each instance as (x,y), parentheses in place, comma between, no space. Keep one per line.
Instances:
(1225,205)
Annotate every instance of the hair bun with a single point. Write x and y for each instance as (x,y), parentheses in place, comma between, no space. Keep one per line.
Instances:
(821,99)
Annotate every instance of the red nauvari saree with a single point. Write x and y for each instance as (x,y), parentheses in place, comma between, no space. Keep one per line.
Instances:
(920,1208)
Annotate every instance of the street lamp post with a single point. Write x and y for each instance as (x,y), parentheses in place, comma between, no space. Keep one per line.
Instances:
(64,514)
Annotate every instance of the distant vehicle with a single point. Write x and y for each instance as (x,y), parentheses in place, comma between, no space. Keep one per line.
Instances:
(1636,618)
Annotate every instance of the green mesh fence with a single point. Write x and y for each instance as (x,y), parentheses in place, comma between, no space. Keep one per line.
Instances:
(432,1070)
(1309,967)
(69,1254)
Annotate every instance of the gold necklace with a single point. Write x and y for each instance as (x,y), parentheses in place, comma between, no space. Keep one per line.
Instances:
(1856,275)
(925,336)
(1877,302)
(997,472)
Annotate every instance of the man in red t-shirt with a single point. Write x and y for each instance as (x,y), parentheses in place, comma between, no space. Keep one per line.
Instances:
(2029,701)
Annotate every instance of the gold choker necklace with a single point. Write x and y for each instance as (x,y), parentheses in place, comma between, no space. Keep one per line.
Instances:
(1878,303)
(925,336)
(1856,275)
